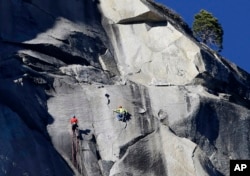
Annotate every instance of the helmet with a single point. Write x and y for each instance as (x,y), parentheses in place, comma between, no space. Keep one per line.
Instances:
(120,106)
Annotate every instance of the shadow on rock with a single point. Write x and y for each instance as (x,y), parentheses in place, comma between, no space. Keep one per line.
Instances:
(126,117)
(82,132)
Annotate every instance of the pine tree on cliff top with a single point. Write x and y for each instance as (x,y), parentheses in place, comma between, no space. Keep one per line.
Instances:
(208,30)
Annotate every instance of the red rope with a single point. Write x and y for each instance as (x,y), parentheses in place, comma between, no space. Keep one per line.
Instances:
(74,149)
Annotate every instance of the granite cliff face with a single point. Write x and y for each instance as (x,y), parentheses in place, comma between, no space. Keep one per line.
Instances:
(189,106)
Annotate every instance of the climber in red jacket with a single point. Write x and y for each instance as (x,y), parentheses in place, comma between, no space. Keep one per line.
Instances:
(74,123)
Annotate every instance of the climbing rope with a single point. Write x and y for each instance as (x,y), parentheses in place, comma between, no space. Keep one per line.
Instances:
(74,148)
(117,138)
(73,151)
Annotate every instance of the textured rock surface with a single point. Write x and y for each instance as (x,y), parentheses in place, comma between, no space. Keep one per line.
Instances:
(189,107)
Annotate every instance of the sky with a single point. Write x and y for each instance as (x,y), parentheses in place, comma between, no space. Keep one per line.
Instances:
(234,17)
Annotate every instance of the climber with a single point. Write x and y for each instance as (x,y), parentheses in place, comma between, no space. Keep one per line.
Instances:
(121,113)
(74,123)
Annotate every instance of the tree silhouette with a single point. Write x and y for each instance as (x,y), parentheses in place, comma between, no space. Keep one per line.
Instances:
(208,30)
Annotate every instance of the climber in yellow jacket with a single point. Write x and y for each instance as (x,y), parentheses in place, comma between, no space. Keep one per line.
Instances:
(121,113)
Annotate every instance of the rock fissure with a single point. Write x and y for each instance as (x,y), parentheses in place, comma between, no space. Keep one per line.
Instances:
(53,51)
(193,153)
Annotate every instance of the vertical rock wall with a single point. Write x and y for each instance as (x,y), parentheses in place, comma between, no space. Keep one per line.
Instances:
(86,58)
